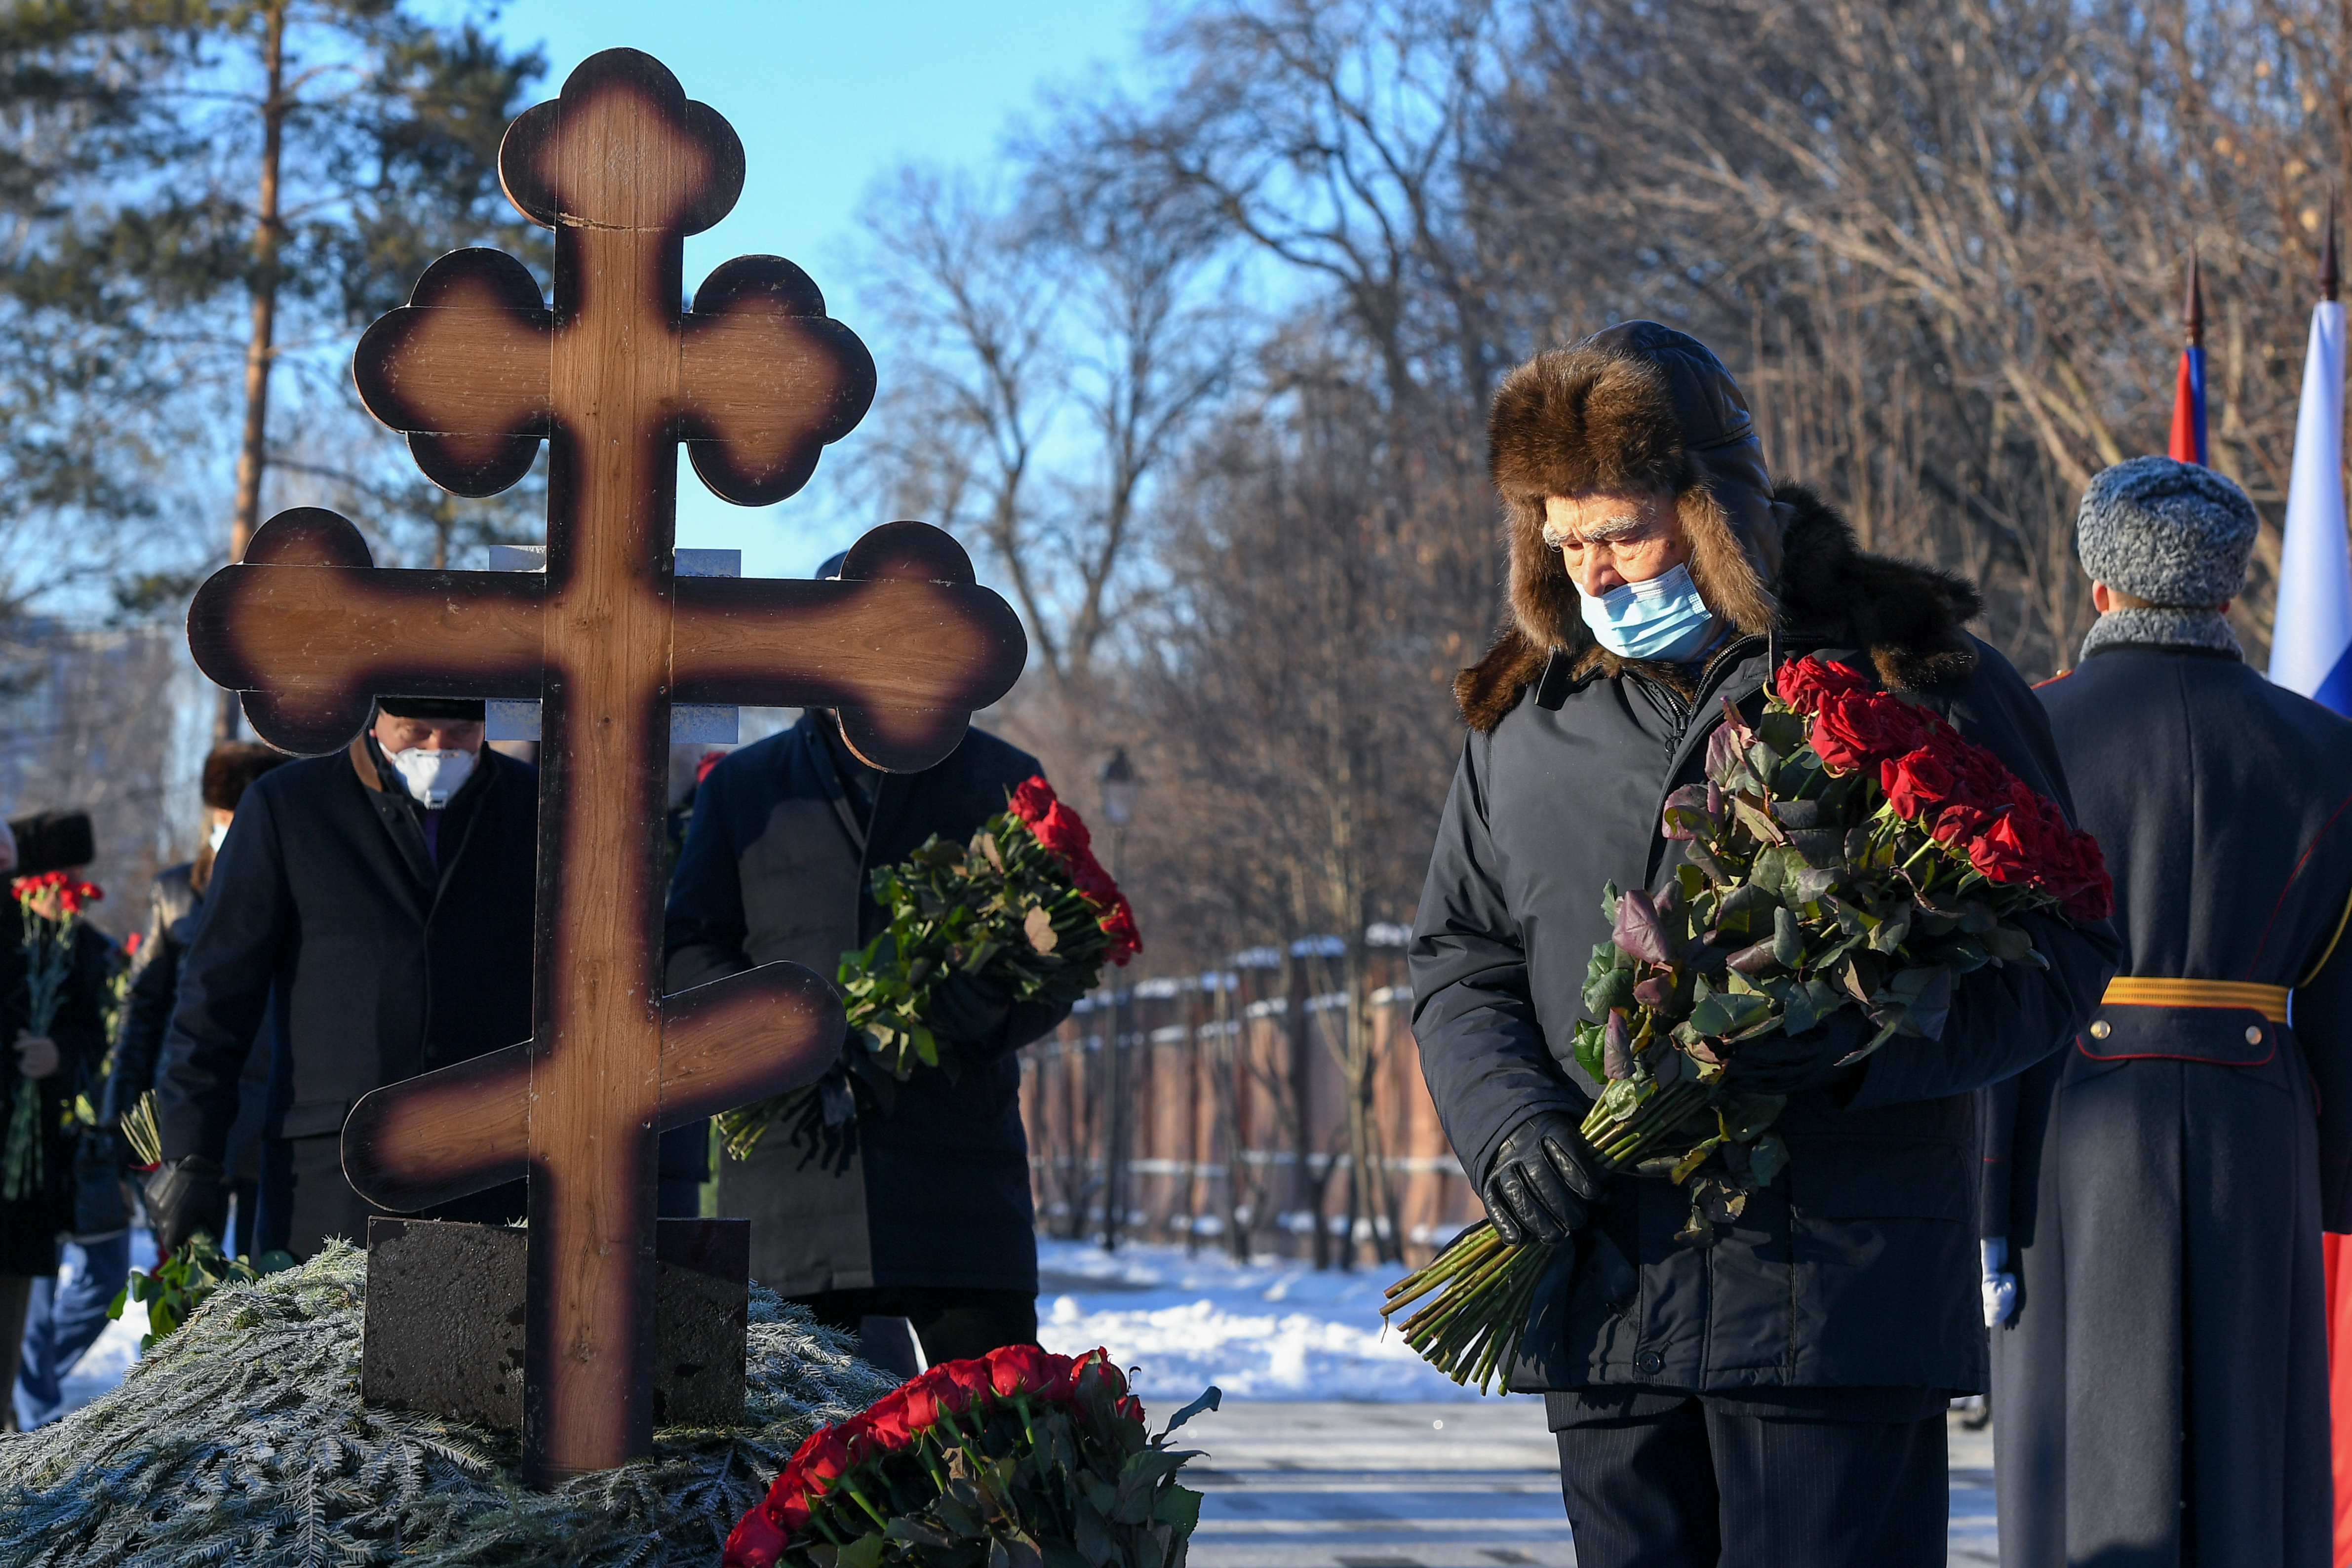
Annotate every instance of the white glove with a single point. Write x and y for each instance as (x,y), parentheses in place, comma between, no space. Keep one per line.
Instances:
(2000,1286)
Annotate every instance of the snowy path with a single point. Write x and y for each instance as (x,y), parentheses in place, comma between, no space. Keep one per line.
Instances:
(1306,1485)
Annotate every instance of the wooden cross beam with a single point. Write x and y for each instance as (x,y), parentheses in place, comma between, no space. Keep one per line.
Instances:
(756,380)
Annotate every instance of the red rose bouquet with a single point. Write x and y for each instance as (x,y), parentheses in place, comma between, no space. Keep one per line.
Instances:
(1018,1458)
(1024,906)
(49,907)
(1850,852)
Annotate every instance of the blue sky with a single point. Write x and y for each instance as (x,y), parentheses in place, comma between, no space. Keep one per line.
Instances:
(826,96)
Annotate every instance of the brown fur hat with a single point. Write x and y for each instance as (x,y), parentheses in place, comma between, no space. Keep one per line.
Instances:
(231,766)
(1642,406)
(1639,406)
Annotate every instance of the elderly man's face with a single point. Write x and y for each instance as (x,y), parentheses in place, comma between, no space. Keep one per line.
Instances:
(1610,538)
(397,735)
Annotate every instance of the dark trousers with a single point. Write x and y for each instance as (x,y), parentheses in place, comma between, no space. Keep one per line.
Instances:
(1698,1488)
(952,1324)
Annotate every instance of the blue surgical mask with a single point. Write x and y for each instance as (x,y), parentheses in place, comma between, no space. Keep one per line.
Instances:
(1663,618)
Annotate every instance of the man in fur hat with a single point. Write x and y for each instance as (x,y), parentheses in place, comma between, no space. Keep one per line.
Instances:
(2155,1193)
(1778,1396)
(374,908)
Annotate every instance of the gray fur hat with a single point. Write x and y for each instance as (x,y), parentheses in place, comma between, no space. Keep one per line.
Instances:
(2173,533)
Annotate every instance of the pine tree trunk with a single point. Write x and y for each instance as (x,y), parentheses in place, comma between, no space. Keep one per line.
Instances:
(253,455)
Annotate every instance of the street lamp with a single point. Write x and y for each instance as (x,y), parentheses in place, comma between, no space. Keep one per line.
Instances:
(1119,786)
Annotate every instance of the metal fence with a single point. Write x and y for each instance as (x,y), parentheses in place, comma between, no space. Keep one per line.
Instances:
(1231,1108)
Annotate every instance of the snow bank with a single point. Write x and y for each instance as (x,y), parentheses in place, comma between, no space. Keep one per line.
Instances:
(1271,1329)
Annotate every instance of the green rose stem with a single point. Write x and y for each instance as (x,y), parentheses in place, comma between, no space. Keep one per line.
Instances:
(859,1498)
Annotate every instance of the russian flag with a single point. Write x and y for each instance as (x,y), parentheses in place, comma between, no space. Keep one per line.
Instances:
(2189,390)
(2311,652)
(2311,642)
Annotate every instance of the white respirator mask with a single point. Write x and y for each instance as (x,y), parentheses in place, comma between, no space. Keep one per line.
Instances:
(219,835)
(433,776)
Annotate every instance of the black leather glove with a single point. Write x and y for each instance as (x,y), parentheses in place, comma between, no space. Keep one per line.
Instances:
(967,1010)
(1790,1064)
(1543,1176)
(184,1196)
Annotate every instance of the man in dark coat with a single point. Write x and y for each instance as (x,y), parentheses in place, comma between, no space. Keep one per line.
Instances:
(374,906)
(2159,1186)
(173,903)
(1778,1396)
(919,1209)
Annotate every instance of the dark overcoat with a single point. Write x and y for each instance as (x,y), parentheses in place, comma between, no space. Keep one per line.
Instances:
(31,1224)
(151,984)
(2162,1386)
(1857,1270)
(327,914)
(777,866)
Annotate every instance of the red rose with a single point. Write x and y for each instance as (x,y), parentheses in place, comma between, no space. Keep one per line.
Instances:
(2001,855)
(1033,799)
(1126,941)
(790,1512)
(822,1461)
(1918,784)
(2094,898)
(755,1542)
(922,1408)
(1131,1408)
(965,1384)
(1061,831)
(1095,1363)
(885,1418)
(1023,1369)
(1802,683)
(1856,732)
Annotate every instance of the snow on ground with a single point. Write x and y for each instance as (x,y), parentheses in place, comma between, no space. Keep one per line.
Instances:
(1271,1329)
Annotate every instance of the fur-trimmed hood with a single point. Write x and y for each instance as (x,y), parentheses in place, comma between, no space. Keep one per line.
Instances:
(1643,406)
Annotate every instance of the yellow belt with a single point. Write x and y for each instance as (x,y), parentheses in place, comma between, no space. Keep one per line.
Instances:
(2147,991)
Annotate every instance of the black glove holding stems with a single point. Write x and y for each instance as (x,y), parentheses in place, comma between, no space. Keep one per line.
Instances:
(968,1009)
(1543,1176)
(185,1196)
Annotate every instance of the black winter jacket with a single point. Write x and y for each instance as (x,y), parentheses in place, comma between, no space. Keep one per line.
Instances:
(154,987)
(326,912)
(777,865)
(1857,1269)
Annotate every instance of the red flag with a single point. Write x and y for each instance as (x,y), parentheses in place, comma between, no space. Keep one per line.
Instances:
(2188,387)
(2189,409)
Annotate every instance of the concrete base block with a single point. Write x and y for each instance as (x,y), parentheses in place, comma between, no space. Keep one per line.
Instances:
(443,1329)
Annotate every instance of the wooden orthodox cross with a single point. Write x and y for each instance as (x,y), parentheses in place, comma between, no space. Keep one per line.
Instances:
(756,380)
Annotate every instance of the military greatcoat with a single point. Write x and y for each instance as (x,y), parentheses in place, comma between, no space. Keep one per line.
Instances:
(2161,1389)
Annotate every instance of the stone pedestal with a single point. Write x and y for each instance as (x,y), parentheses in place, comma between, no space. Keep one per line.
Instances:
(444,1320)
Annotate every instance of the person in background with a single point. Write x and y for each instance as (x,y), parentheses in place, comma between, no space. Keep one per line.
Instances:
(62,1064)
(65,1320)
(372,908)
(2155,1192)
(173,901)
(921,1211)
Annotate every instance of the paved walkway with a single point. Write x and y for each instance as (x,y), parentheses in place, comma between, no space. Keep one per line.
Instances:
(1427,1485)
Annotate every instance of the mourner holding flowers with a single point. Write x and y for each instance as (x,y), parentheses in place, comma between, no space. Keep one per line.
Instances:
(888,1193)
(53,971)
(1776,1377)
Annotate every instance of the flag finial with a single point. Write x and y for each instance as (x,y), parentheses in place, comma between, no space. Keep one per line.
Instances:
(2192,307)
(2329,278)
